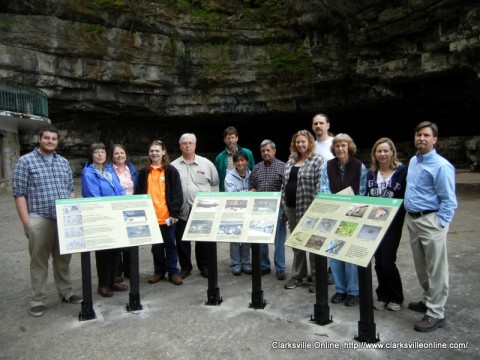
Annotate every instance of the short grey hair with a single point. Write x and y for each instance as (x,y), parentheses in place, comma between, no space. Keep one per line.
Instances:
(268,142)
(188,135)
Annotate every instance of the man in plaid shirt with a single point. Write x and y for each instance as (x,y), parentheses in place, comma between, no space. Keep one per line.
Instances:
(267,176)
(40,177)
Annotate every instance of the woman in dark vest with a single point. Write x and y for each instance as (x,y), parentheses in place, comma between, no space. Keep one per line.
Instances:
(337,174)
(388,178)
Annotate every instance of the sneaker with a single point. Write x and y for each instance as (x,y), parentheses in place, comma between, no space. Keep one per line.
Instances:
(38,310)
(74,299)
(237,271)
(312,288)
(392,306)
(292,283)
(379,305)
(247,269)
(338,298)
(351,300)
(280,275)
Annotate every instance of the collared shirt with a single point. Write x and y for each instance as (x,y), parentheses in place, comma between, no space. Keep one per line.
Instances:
(125,178)
(198,176)
(41,182)
(431,186)
(267,176)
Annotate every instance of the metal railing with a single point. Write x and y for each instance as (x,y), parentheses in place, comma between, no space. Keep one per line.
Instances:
(20,98)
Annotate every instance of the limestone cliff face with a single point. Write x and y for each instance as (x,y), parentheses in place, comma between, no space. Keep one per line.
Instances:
(133,60)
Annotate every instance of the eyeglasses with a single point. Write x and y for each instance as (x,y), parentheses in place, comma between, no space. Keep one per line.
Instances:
(187,143)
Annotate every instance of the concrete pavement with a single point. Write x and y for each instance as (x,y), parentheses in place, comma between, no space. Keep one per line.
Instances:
(176,324)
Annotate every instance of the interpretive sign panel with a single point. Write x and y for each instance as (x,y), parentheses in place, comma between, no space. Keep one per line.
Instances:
(344,227)
(97,223)
(249,217)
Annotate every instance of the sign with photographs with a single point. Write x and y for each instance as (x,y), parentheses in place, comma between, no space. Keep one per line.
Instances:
(246,217)
(110,222)
(344,227)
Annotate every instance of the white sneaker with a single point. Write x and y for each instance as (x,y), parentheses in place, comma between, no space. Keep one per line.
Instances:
(394,306)
(379,305)
(37,310)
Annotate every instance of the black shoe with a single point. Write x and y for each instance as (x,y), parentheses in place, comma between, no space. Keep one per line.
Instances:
(74,299)
(351,300)
(184,274)
(265,271)
(280,275)
(204,272)
(330,280)
(418,306)
(338,298)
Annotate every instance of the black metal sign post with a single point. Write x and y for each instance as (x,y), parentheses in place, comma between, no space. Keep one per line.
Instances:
(257,293)
(213,292)
(134,296)
(87,312)
(366,325)
(321,310)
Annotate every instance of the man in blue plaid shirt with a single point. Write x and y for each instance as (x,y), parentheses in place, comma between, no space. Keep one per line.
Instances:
(40,177)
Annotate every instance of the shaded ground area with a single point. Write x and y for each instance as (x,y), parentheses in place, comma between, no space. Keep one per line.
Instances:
(176,323)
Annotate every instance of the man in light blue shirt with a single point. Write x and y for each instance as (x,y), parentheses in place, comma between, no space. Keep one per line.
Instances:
(430,202)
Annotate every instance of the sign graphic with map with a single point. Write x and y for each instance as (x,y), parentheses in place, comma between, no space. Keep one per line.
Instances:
(344,227)
(233,217)
(89,224)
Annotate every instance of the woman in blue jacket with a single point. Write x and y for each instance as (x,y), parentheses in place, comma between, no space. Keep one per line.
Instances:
(97,180)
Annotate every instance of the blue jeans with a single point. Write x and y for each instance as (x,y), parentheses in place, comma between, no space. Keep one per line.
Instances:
(279,255)
(345,276)
(239,255)
(165,255)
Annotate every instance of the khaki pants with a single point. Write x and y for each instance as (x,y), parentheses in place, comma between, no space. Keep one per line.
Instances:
(43,242)
(429,247)
(299,266)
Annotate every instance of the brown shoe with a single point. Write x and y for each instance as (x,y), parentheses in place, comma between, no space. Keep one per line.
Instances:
(429,323)
(105,291)
(156,278)
(119,287)
(176,279)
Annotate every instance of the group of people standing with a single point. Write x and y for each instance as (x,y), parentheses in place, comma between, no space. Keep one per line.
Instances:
(325,164)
